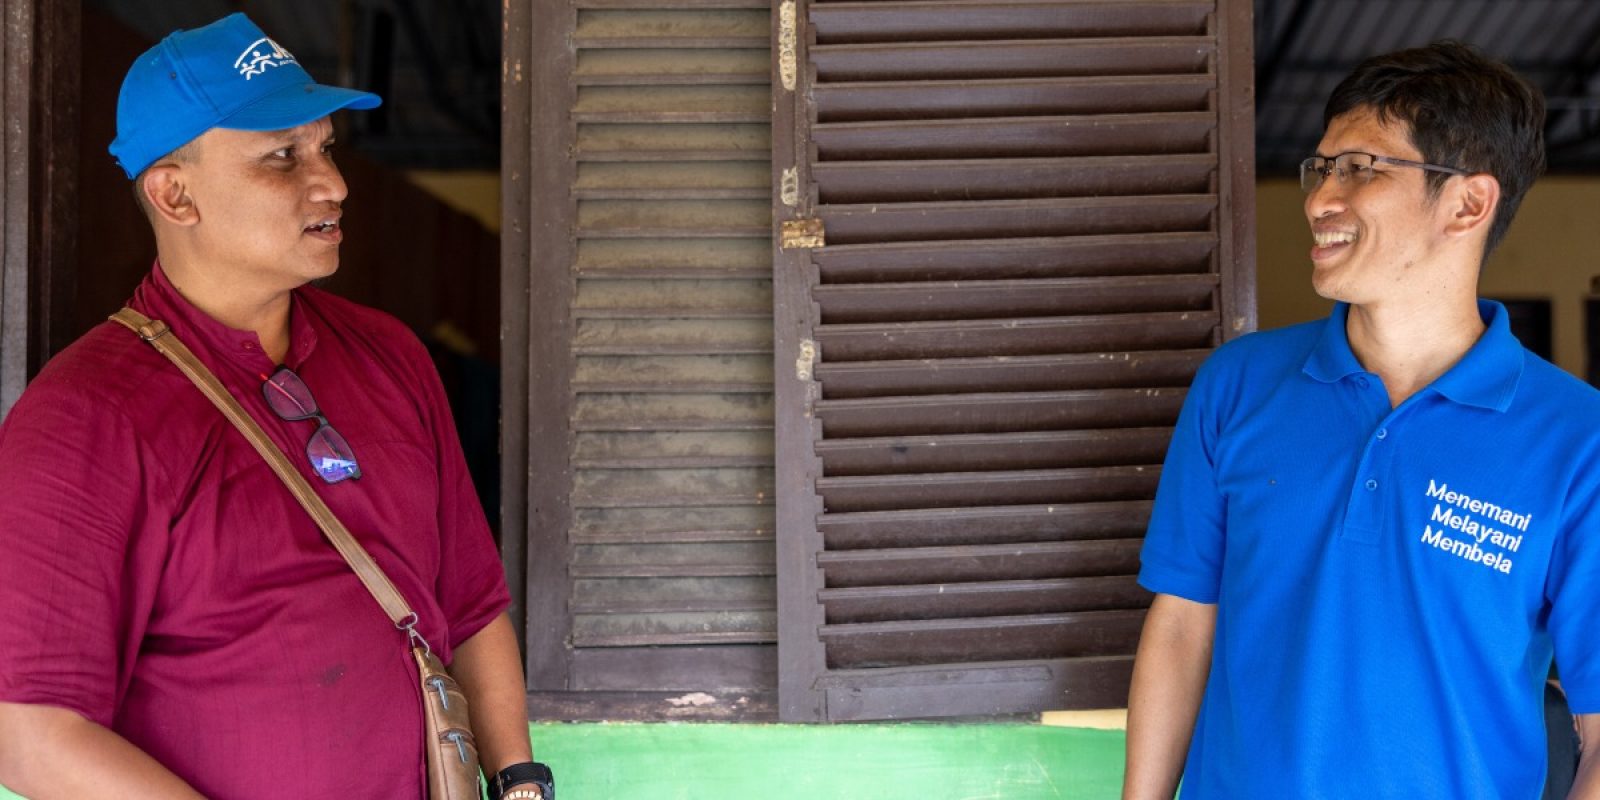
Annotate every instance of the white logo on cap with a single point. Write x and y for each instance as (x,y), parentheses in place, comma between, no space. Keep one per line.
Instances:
(261,53)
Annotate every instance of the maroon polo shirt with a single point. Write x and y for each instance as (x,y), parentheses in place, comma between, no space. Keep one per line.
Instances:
(157,577)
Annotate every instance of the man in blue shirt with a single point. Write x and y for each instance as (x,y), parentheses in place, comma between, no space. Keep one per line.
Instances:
(1373,531)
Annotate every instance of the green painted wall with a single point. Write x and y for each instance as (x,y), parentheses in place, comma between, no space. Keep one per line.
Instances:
(678,761)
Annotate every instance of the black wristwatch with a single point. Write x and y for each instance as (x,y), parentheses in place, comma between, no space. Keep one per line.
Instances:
(526,772)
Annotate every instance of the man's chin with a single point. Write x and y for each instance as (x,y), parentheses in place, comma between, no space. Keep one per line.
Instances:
(322,272)
(1325,285)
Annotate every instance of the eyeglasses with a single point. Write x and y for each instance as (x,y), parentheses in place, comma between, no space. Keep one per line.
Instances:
(1356,167)
(291,399)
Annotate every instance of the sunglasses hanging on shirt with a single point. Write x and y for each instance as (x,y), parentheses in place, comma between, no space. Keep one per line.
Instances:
(289,397)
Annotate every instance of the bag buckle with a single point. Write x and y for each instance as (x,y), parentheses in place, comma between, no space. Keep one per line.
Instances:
(153,330)
(409,625)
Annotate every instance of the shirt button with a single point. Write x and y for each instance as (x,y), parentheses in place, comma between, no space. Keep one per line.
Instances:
(1383,433)
(1371,484)
(1361,383)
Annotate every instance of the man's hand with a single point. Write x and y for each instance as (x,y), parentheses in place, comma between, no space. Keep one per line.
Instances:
(48,752)
(489,670)
(1169,679)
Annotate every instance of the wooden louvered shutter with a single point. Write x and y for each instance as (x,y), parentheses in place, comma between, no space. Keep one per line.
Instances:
(649,446)
(1010,231)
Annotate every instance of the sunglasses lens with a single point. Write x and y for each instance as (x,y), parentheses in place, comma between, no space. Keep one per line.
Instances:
(288,396)
(330,455)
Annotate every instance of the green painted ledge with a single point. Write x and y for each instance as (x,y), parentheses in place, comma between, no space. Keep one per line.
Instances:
(906,761)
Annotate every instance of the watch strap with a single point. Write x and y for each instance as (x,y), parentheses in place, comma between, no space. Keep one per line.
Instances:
(525,772)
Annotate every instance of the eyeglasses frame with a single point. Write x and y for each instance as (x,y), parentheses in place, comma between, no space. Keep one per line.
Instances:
(322,422)
(1331,165)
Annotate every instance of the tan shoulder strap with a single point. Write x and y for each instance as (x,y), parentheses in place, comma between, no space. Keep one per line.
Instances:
(164,340)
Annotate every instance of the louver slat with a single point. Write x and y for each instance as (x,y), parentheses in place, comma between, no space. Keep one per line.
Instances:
(1145,254)
(1118,134)
(1003,98)
(1010,373)
(990,488)
(980,299)
(989,599)
(1029,336)
(855,224)
(992,413)
(991,451)
(934,21)
(985,525)
(1010,59)
(1000,178)
(1028,212)
(1035,636)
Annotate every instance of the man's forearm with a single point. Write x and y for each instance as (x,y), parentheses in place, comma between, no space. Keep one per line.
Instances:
(1587,785)
(489,670)
(1169,678)
(48,753)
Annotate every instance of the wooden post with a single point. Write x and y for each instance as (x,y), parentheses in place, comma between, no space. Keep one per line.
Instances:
(39,62)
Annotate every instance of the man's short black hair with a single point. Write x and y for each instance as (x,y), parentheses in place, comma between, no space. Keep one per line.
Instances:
(1464,111)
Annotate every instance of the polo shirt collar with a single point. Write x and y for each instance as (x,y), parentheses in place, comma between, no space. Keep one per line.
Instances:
(1332,360)
(159,299)
(1486,377)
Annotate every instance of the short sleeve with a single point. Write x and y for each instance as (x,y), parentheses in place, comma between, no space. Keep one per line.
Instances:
(471,590)
(1573,591)
(73,601)
(1183,545)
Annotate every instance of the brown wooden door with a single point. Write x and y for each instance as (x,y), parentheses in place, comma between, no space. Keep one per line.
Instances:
(1007,233)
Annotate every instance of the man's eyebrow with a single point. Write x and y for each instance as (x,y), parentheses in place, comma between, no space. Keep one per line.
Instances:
(299,134)
(279,138)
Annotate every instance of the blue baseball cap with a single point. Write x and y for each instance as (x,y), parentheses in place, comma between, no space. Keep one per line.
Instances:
(225,75)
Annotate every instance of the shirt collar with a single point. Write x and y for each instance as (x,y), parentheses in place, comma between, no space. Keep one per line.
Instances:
(1332,359)
(1486,377)
(157,298)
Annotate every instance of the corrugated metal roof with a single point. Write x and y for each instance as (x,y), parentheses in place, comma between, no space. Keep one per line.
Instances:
(437,64)
(1305,47)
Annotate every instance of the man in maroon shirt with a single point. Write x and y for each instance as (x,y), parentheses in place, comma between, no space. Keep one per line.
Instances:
(172,623)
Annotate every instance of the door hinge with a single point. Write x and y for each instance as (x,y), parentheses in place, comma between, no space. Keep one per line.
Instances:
(801,234)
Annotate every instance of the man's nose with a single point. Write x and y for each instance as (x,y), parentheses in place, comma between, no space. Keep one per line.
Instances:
(327,184)
(1327,198)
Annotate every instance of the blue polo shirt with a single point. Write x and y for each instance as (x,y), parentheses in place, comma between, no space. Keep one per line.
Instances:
(1390,583)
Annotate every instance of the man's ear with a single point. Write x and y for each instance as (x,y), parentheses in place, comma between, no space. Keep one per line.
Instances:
(1474,204)
(166,194)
